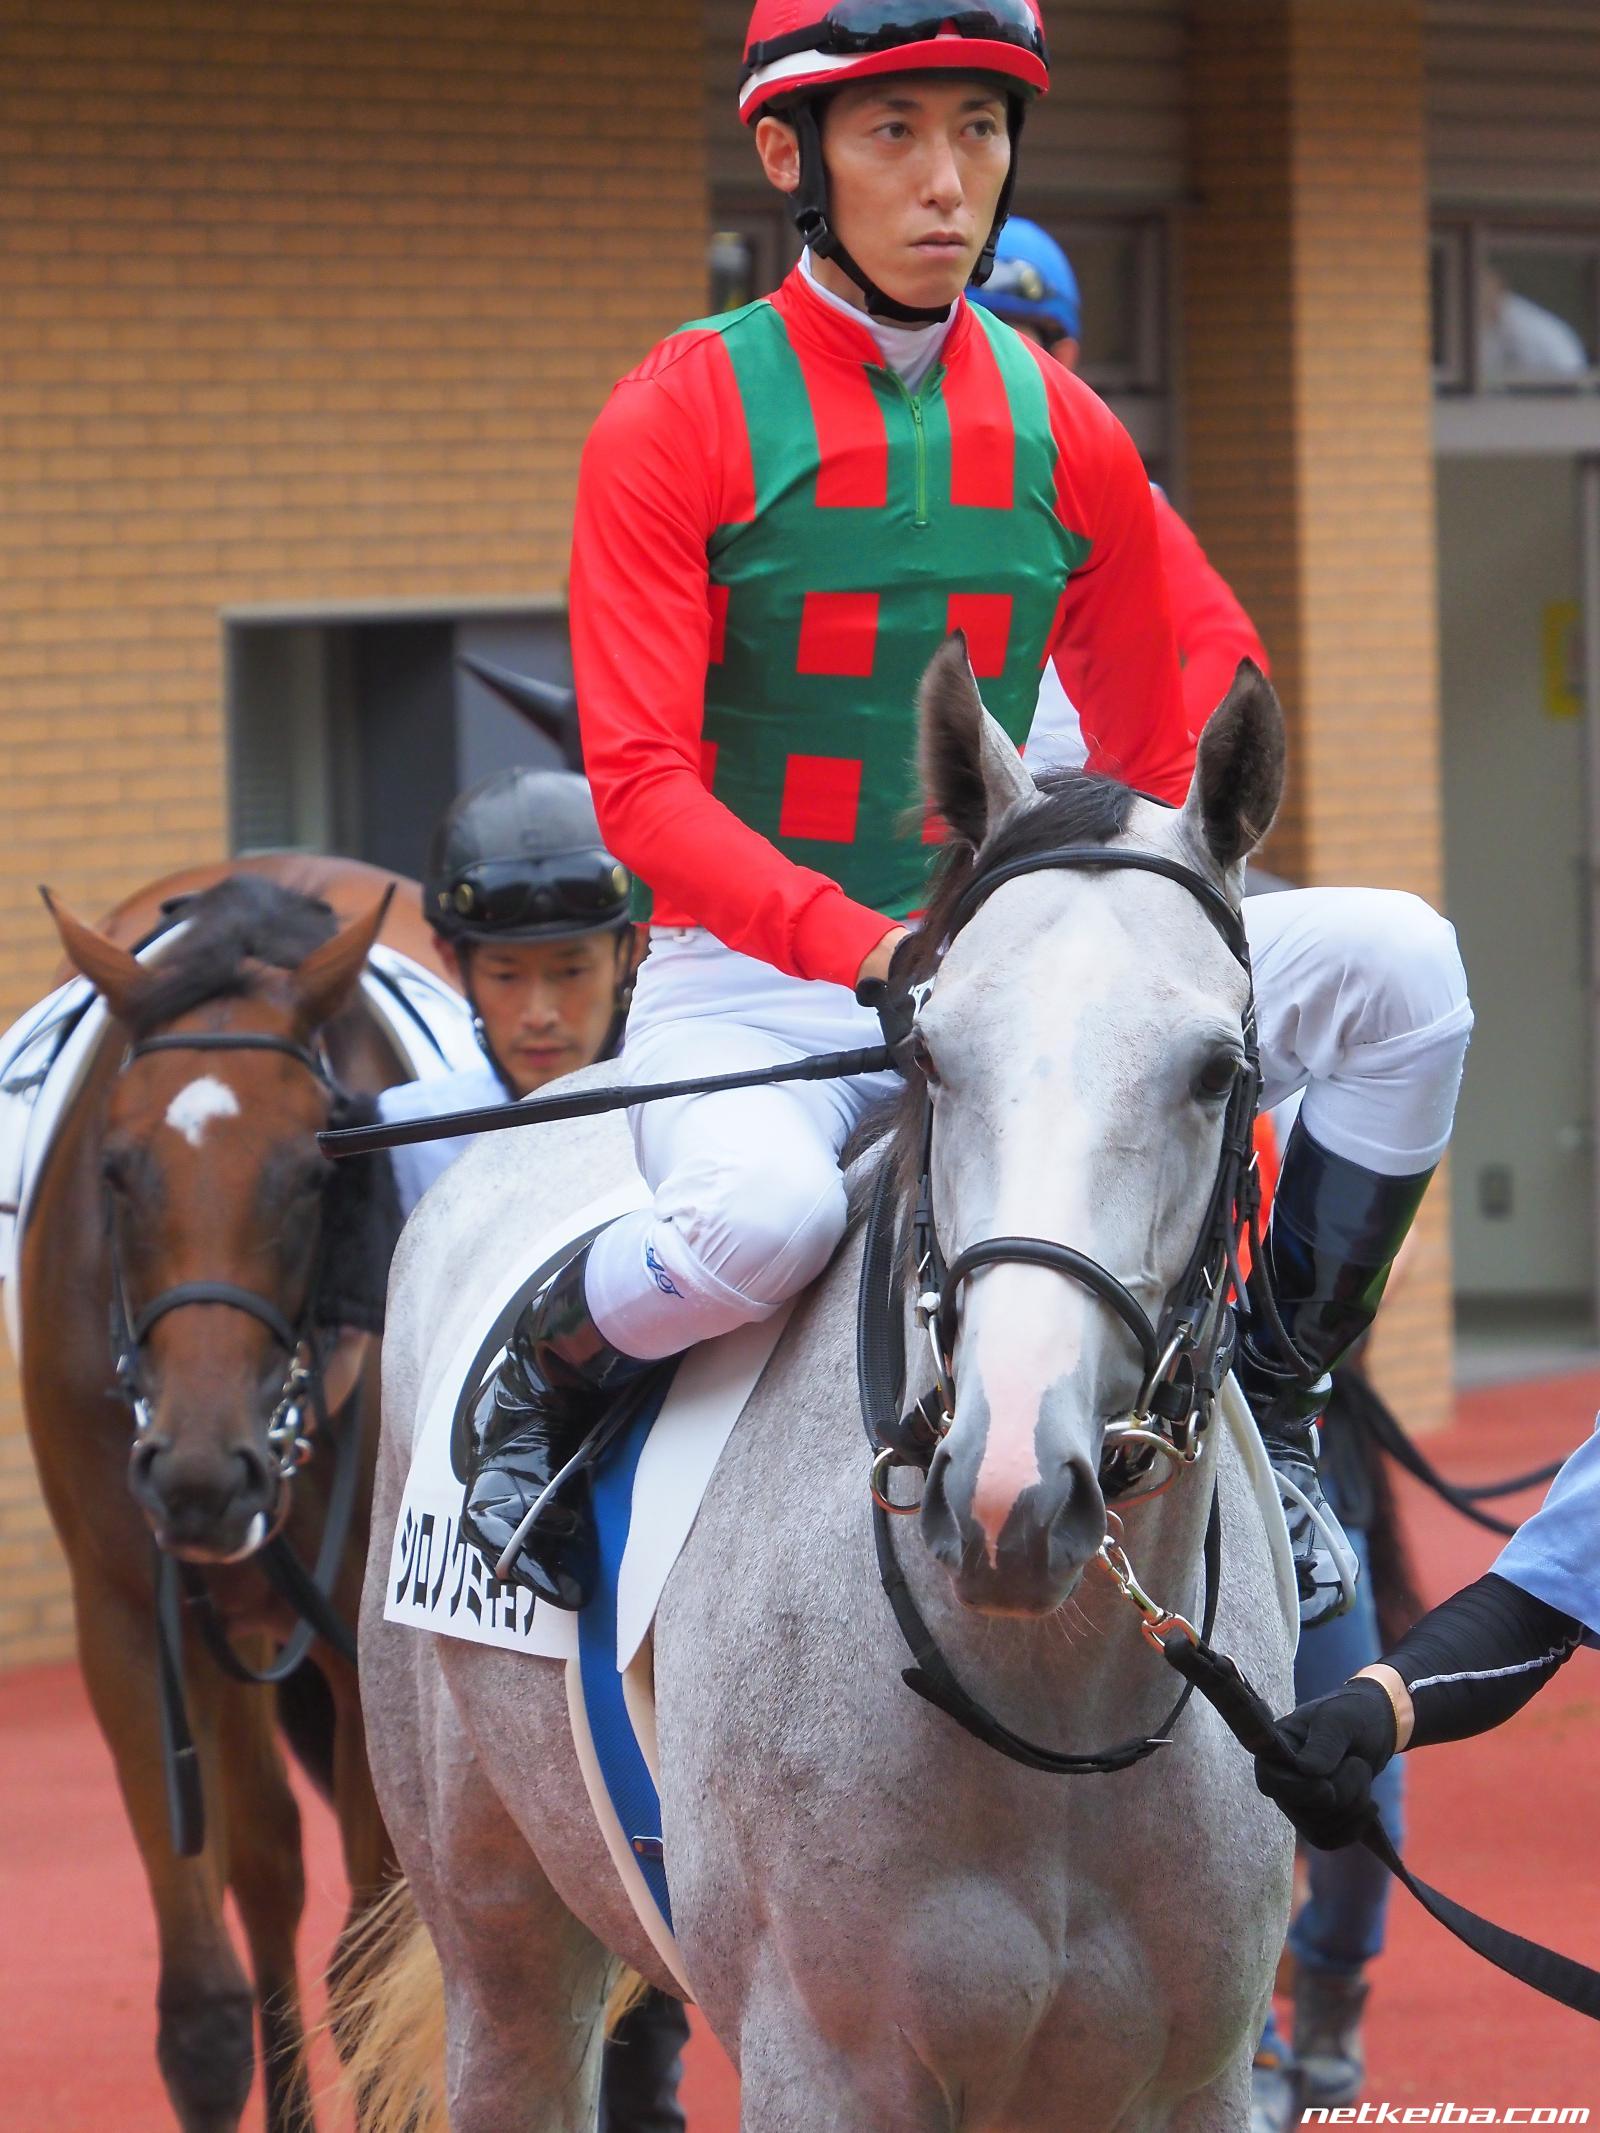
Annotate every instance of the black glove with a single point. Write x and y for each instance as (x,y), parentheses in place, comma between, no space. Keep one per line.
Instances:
(895,999)
(1333,1748)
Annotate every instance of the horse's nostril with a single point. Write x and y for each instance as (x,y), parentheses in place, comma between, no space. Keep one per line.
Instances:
(146,1450)
(258,1472)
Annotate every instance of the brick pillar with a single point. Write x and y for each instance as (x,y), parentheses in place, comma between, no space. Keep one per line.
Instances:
(1310,462)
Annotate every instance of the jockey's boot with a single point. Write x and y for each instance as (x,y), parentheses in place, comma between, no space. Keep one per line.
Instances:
(642,2068)
(1335,1230)
(1327,2034)
(558,1377)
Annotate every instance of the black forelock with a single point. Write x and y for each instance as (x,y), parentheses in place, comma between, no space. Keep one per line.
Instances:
(238,923)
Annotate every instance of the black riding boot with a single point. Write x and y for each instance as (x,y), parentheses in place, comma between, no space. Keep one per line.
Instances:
(1335,1230)
(557,1379)
(642,2068)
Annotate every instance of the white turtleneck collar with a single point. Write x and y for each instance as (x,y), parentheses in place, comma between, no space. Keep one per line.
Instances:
(909,351)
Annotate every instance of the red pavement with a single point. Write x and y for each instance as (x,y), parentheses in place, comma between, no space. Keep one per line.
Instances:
(1507,1823)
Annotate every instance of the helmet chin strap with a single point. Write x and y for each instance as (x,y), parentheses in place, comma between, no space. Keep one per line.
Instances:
(808,206)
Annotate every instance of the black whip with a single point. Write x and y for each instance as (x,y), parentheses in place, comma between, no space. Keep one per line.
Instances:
(589,1103)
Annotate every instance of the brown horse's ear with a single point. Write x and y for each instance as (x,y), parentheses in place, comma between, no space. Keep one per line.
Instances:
(327,977)
(119,978)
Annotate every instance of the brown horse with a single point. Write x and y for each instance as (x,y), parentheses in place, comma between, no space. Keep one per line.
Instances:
(184,1164)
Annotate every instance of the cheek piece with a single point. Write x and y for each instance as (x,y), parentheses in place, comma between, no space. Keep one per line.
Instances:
(808,207)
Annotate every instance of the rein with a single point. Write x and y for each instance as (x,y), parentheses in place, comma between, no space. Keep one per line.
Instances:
(300,1417)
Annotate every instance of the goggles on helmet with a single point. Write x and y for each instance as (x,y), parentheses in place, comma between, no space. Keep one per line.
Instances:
(857,26)
(573,892)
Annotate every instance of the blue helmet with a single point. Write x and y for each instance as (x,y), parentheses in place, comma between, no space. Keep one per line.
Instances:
(1032,280)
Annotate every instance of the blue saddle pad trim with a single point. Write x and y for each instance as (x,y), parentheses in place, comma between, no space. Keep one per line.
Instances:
(622,1765)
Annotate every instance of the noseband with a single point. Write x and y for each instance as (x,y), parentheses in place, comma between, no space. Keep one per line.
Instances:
(300,1406)
(1187,1355)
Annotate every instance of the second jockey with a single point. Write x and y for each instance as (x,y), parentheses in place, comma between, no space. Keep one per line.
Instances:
(781,513)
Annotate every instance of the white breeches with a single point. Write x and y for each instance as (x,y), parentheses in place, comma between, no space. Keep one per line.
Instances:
(1361,1000)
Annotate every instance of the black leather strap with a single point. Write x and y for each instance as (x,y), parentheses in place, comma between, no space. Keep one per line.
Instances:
(249,1040)
(1073,856)
(229,1293)
(931,1677)
(1252,1724)
(1060,1259)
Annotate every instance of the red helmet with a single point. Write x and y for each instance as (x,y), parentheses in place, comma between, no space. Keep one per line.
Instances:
(790,49)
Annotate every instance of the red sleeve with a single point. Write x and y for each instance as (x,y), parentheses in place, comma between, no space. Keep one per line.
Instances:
(1114,646)
(1214,633)
(661,470)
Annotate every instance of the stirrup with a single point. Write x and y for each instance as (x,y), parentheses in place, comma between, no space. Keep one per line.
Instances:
(1335,1542)
(594,1443)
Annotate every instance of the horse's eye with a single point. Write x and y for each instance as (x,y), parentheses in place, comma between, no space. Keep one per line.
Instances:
(922,1060)
(1217,1077)
(114,1168)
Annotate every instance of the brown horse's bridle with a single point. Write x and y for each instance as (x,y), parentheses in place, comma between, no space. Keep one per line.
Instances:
(299,1415)
(301,1405)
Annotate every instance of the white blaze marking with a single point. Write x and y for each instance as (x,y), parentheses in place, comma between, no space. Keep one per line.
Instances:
(195,1107)
(1022,1349)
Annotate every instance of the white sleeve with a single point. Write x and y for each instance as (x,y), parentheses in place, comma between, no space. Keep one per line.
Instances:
(1055,739)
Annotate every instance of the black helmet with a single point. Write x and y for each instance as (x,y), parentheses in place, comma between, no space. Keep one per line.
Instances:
(519,858)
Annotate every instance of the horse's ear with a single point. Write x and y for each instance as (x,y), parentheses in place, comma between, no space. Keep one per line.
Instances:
(327,977)
(971,772)
(119,978)
(1238,770)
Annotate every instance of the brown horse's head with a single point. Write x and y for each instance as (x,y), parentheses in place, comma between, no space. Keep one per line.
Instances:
(213,1176)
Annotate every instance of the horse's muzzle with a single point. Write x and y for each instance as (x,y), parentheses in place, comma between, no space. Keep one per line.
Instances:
(1032,1566)
(206,1503)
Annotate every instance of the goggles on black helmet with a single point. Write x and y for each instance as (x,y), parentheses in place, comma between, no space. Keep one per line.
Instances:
(855,26)
(572,892)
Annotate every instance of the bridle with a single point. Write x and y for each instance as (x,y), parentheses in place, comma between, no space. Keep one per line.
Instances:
(301,1407)
(300,1415)
(1185,1356)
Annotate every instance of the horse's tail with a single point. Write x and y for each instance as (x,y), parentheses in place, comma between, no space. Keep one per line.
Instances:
(386,2012)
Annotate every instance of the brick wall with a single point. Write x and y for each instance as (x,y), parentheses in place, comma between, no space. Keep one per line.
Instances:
(1309,425)
(300,300)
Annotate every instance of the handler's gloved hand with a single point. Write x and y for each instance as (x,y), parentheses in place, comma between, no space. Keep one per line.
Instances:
(1337,1745)
(896,1000)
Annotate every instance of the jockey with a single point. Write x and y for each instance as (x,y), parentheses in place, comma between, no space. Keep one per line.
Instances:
(780,514)
(532,911)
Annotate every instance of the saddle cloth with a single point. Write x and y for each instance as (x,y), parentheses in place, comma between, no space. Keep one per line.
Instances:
(647,1494)
(45,1056)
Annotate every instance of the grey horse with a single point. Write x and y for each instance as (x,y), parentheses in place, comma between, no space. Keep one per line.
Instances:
(891,1928)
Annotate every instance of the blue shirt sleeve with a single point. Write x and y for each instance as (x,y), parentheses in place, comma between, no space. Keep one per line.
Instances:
(416,1167)
(1555,1554)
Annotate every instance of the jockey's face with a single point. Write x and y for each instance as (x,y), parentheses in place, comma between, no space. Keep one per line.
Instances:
(546,1005)
(915,167)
